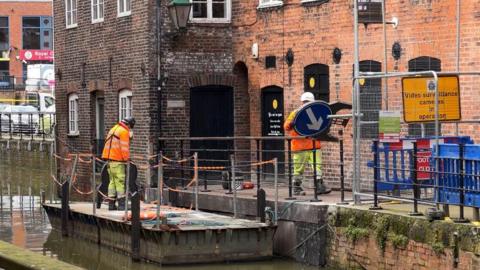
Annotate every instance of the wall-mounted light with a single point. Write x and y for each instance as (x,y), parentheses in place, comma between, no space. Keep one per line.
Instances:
(337,55)
(59,74)
(396,50)
(179,11)
(163,79)
(289,57)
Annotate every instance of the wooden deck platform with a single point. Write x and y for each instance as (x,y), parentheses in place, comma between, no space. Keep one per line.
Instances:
(189,236)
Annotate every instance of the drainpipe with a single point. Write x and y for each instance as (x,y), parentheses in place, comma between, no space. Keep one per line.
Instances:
(458,50)
(159,67)
(385,58)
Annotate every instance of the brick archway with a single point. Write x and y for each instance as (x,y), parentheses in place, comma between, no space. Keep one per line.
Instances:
(197,80)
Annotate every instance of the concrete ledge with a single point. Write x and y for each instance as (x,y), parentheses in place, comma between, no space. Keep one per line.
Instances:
(12,257)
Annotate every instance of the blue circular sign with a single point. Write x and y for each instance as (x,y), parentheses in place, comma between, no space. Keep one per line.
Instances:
(312,118)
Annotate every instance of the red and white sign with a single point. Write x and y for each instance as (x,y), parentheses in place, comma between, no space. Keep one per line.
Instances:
(423,165)
(36,55)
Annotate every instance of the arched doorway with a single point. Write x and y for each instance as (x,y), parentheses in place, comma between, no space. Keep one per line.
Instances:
(317,81)
(272,126)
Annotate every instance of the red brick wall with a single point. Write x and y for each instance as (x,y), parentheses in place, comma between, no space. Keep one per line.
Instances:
(15,11)
(426,28)
(366,253)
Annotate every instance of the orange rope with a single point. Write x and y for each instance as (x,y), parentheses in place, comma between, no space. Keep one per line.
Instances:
(59,157)
(211,168)
(81,192)
(56,181)
(84,161)
(263,162)
(177,161)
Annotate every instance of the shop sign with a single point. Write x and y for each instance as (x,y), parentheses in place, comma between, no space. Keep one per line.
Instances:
(36,55)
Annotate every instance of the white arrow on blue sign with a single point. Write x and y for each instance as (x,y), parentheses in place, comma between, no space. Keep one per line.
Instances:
(312,119)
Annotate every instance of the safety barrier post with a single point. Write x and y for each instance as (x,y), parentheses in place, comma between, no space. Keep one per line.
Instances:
(127,188)
(94,182)
(159,185)
(10,125)
(195,176)
(376,175)
(414,175)
(315,180)
(42,197)
(65,207)
(182,172)
(205,182)
(290,178)
(258,164)
(31,128)
(261,203)
(342,167)
(232,163)
(9,193)
(275,173)
(51,184)
(43,126)
(136,226)
(461,182)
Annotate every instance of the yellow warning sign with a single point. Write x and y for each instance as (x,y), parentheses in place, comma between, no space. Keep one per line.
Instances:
(419,99)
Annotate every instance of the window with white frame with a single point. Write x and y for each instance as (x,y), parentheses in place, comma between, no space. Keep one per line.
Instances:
(97,11)
(73,114)
(125,104)
(211,10)
(124,7)
(270,3)
(71,13)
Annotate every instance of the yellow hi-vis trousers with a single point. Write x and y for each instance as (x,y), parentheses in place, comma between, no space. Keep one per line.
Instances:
(116,172)
(302,158)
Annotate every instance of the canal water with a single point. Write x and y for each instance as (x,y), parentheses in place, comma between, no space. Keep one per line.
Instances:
(23,175)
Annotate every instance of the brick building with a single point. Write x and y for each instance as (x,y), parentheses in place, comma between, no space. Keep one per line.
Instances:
(113,56)
(26,37)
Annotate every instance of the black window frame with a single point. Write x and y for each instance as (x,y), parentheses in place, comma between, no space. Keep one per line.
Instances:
(370,99)
(7,35)
(42,30)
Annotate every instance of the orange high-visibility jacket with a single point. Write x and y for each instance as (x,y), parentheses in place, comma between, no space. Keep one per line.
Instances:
(298,144)
(117,143)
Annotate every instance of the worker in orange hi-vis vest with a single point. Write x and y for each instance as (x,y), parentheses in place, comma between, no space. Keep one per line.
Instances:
(117,152)
(303,154)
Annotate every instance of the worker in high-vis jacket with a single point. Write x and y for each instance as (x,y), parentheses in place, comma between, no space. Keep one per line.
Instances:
(303,154)
(117,153)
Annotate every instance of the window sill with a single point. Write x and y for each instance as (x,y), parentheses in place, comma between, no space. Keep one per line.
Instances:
(213,21)
(71,26)
(124,14)
(97,21)
(313,2)
(270,5)
(73,134)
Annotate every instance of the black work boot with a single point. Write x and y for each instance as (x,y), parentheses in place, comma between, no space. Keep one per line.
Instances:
(321,188)
(298,190)
(121,203)
(111,205)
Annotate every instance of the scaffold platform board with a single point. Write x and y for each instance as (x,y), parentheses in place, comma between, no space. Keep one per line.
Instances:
(187,236)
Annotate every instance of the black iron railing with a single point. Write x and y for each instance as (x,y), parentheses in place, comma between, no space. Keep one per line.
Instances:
(25,125)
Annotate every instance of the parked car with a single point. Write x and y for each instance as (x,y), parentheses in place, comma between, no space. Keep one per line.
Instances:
(20,119)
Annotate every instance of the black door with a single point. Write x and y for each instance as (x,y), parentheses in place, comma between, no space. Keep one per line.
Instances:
(211,115)
(317,81)
(272,126)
